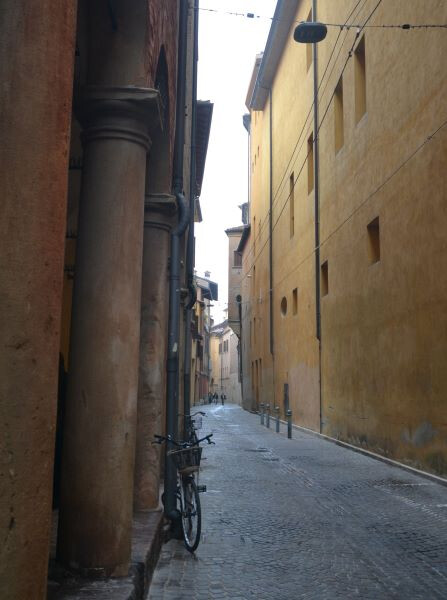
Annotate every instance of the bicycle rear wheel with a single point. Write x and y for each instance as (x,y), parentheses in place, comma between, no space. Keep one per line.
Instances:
(191,513)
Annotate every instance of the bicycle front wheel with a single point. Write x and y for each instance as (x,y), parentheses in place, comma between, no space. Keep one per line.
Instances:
(191,513)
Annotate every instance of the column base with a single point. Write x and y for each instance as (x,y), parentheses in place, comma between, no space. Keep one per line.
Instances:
(147,538)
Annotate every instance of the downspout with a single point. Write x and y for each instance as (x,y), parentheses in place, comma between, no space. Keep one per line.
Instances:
(317,209)
(190,245)
(271,222)
(172,384)
(239,308)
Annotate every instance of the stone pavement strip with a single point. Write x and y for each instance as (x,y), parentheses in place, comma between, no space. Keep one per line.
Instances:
(305,518)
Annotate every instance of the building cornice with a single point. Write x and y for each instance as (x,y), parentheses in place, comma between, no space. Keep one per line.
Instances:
(282,22)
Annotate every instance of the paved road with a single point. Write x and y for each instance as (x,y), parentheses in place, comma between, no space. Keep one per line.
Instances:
(304,518)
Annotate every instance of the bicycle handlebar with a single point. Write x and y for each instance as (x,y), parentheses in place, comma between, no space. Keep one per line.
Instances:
(199,412)
(159,439)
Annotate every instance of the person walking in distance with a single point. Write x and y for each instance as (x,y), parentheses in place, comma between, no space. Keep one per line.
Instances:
(222,398)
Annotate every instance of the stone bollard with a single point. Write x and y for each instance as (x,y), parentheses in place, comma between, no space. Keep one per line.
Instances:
(289,424)
(277,418)
(262,413)
(268,416)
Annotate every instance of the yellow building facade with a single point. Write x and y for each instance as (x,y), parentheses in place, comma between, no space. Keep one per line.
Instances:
(376,375)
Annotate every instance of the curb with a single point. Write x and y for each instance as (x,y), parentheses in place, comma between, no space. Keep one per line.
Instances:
(430,476)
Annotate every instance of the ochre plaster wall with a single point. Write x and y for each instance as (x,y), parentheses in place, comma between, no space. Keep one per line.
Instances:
(36,71)
(384,325)
(296,346)
(384,375)
(234,281)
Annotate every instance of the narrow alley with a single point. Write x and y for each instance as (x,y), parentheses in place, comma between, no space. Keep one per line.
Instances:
(305,518)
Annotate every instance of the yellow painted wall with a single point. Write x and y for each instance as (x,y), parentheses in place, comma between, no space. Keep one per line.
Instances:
(256,265)
(384,325)
(234,279)
(296,347)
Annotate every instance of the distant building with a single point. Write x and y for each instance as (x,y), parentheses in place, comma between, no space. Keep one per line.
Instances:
(225,374)
(207,291)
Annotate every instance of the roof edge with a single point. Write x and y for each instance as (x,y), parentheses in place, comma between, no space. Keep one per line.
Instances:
(282,21)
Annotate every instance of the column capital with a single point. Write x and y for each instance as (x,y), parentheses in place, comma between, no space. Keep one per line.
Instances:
(158,210)
(129,113)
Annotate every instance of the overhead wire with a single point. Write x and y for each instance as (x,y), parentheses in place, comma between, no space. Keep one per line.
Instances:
(341,26)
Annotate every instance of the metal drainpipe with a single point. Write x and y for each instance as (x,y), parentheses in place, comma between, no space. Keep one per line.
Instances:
(317,208)
(271,223)
(239,307)
(190,246)
(174,271)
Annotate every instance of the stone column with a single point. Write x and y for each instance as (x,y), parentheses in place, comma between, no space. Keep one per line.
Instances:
(154,326)
(36,74)
(100,421)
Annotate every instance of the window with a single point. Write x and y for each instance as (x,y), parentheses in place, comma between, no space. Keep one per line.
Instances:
(225,346)
(237,259)
(254,329)
(254,236)
(360,80)
(292,204)
(220,348)
(310,164)
(374,241)
(338,115)
(284,306)
(295,301)
(309,47)
(324,279)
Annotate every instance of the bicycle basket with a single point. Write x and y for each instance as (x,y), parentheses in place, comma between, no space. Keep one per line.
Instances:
(197,423)
(187,459)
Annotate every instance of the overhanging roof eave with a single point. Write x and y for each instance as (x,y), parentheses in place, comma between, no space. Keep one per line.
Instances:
(282,21)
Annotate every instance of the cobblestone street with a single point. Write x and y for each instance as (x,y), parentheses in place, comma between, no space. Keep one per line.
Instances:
(305,518)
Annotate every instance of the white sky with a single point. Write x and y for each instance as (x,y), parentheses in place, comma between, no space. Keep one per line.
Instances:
(227,49)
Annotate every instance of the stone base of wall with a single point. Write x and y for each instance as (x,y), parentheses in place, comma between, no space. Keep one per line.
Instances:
(147,538)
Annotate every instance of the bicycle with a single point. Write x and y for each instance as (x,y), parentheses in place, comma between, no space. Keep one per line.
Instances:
(192,425)
(187,463)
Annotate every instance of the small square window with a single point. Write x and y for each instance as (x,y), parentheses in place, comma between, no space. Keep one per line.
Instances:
(292,204)
(338,115)
(374,241)
(360,80)
(310,164)
(324,279)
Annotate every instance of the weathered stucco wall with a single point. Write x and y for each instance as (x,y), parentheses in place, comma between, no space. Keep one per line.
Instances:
(384,324)
(256,263)
(384,375)
(36,71)
(234,278)
(296,346)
